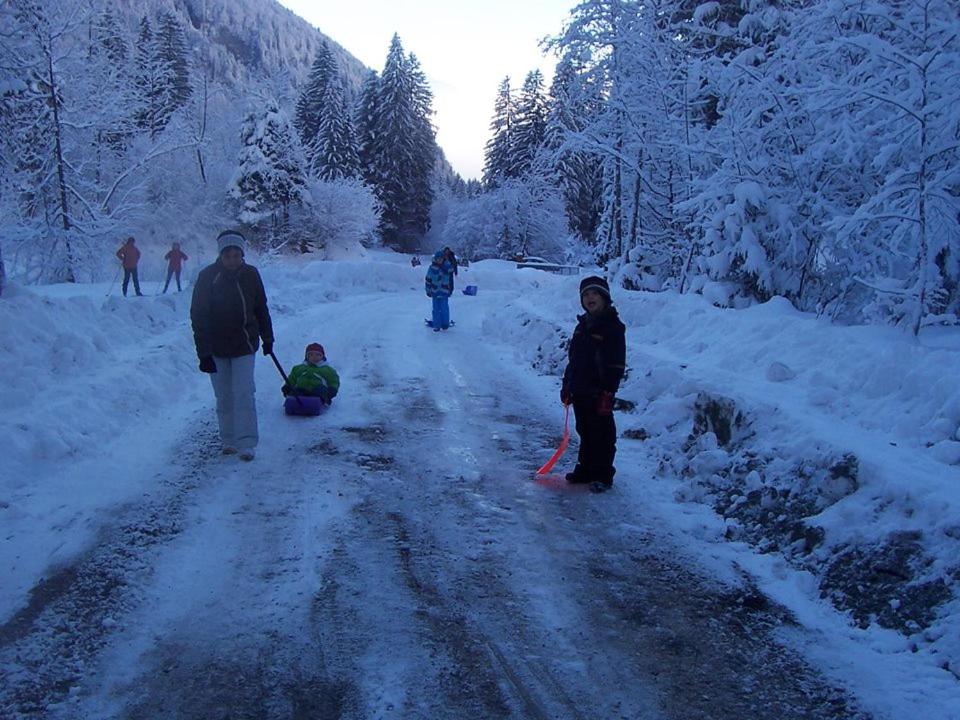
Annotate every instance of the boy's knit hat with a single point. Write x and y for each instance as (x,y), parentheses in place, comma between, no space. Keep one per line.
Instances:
(594,282)
(315,347)
(231,238)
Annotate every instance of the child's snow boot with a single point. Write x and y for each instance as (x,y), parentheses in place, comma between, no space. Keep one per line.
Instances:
(577,477)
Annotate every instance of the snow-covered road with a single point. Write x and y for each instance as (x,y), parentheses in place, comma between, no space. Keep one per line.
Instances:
(395,558)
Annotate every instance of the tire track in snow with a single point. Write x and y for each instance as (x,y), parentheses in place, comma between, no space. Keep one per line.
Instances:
(253,647)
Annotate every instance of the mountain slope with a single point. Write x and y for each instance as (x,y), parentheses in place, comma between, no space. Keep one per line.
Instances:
(245,40)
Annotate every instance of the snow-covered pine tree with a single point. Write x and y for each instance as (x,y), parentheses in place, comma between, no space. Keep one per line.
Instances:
(424,146)
(310,102)
(404,150)
(109,40)
(270,177)
(564,156)
(334,153)
(109,63)
(172,53)
(497,153)
(153,83)
(529,125)
(365,121)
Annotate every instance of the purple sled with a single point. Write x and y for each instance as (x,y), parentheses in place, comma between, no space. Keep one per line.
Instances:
(303,405)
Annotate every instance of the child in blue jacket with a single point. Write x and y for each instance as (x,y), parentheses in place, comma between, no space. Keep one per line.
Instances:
(439,286)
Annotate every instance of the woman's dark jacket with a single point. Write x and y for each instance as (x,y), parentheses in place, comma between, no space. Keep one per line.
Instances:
(229,312)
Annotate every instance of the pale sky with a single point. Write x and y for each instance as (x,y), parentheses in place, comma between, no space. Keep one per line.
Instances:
(465,48)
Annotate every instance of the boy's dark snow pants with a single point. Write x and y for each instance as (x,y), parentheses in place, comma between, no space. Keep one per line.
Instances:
(598,441)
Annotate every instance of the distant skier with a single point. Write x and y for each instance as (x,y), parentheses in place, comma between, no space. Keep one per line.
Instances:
(175,259)
(129,255)
(597,358)
(415,261)
(314,377)
(439,286)
(230,315)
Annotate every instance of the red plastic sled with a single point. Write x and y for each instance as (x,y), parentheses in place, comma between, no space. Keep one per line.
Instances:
(548,466)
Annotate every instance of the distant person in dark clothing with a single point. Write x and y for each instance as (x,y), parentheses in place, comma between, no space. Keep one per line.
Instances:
(230,316)
(129,255)
(597,359)
(175,259)
(452,260)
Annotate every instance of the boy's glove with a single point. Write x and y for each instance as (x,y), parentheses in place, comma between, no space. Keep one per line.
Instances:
(267,348)
(207,365)
(565,396)
(605,403)
(285,389)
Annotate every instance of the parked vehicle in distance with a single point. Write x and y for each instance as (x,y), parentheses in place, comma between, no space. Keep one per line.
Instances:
(539,263)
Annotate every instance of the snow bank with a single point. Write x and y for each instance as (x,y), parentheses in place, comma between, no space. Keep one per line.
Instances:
(877,378)
(96,394)
(78,370)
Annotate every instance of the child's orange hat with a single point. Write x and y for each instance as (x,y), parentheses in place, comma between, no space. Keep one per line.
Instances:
(315,347)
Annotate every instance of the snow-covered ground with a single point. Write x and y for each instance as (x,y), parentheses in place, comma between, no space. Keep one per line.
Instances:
(397,558)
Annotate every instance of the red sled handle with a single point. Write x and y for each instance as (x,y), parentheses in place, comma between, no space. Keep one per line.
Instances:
(548,465)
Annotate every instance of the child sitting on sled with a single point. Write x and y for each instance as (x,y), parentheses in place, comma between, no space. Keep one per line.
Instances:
(314,377)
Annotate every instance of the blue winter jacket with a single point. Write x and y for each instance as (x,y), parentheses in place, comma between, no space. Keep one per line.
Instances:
(439,280)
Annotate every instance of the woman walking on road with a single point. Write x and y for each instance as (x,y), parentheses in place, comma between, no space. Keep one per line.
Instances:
(230,316)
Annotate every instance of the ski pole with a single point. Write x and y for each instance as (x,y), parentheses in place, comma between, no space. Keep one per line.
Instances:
(114,282)
(285,378)
(548,465)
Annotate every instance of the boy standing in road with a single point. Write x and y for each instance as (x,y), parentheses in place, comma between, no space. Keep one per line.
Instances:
(597,359)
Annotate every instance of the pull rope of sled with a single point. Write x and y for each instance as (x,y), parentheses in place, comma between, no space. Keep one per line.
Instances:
(284,376)
(548,465)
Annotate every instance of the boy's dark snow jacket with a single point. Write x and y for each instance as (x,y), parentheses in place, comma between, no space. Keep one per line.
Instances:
(229,312)
(597,355)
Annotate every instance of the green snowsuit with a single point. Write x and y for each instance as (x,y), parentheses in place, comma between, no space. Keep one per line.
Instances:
(315,380)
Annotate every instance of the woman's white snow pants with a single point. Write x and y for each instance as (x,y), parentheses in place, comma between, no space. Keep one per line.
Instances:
(236,407)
